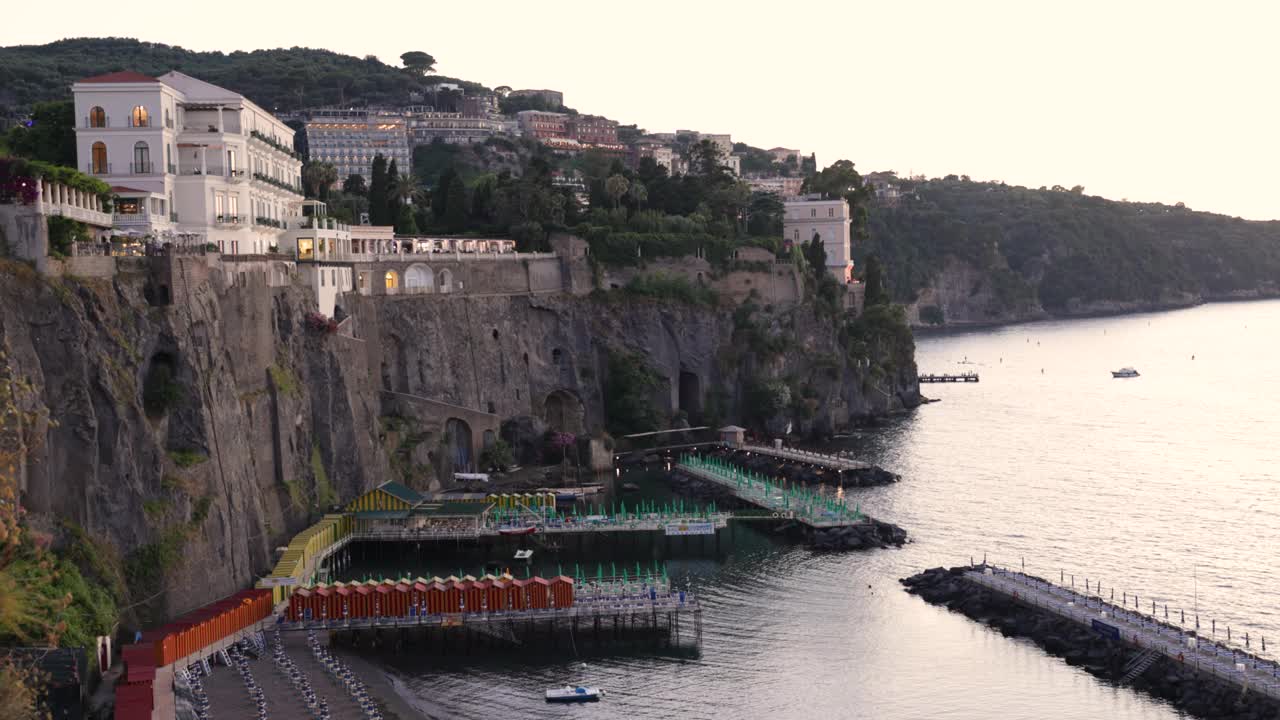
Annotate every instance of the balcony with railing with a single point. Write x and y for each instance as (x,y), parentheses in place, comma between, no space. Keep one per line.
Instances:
(142,168)
(100,122)
(98,168)
(59,199)
(137,219)
(322,223)
(230,219)
(274,143)
(279,184)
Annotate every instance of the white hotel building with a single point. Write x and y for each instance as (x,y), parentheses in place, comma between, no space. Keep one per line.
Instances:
(189,161)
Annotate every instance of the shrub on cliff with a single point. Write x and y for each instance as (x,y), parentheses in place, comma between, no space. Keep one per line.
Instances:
(628,391)
(672,287)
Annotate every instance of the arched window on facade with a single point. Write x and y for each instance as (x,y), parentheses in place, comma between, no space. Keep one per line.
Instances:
(141,158)
(139,117)
(97,117)
(99,164)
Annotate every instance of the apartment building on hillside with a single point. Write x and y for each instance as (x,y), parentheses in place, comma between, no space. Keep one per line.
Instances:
(351,139)
(541,125)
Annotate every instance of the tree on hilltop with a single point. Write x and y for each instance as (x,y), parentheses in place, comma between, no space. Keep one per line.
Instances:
(418,62)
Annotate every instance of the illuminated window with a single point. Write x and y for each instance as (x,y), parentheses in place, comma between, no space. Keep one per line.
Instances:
(306,248)
(100,166)
(139,117)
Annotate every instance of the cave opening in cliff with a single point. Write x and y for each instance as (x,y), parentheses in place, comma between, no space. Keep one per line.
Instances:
(690,394)
(161,390)
(563,412)
(458,438)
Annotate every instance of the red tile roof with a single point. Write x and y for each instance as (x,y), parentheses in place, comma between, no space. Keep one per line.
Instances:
(124,76)
(122,189)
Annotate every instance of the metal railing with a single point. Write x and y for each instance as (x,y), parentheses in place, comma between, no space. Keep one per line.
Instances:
(98,168)
(142,168)
(1225,660)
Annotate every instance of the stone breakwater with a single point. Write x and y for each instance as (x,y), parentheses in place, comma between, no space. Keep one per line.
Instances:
(864,536)
(1194,692)
(797,472)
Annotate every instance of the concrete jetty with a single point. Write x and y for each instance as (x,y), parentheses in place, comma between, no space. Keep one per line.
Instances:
(1122,644)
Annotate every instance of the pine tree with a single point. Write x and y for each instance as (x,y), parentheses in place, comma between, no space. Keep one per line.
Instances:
(405,222)
(378,193)
(393,201)
(440,194)
(455,217)
(873,277)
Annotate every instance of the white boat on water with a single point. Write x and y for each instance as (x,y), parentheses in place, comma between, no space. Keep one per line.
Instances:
(1126,372)
(569,693)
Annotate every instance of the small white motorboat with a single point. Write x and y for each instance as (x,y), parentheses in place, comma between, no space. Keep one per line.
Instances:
(524,554)
(569,694)
(1127,372)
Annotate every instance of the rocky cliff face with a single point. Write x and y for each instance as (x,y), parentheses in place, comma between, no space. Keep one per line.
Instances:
(182,438)
(189,440)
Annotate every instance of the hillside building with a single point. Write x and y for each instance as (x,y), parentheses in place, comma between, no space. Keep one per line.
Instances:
(351,139)
(553,98)
(426,127)
(189,161)
(781,186)
(830,220)
(542,125)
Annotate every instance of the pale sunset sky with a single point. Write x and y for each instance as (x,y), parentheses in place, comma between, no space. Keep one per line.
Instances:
(1163,101)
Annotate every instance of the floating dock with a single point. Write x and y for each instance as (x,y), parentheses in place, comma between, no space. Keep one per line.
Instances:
(968,377)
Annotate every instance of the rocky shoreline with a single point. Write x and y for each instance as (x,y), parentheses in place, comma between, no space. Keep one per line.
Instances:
(1199,694)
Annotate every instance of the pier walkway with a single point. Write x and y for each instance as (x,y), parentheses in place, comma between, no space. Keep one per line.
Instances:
(669,524)
(1247,670)
(831,462)
(800,504)
(967,377)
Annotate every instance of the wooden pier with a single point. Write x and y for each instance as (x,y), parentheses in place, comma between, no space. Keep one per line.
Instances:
(1238,666)
(831,462)
(968,377)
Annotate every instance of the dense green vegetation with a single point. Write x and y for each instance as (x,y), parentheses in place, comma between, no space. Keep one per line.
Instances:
(1059,245)
(279,79)
(628,394)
